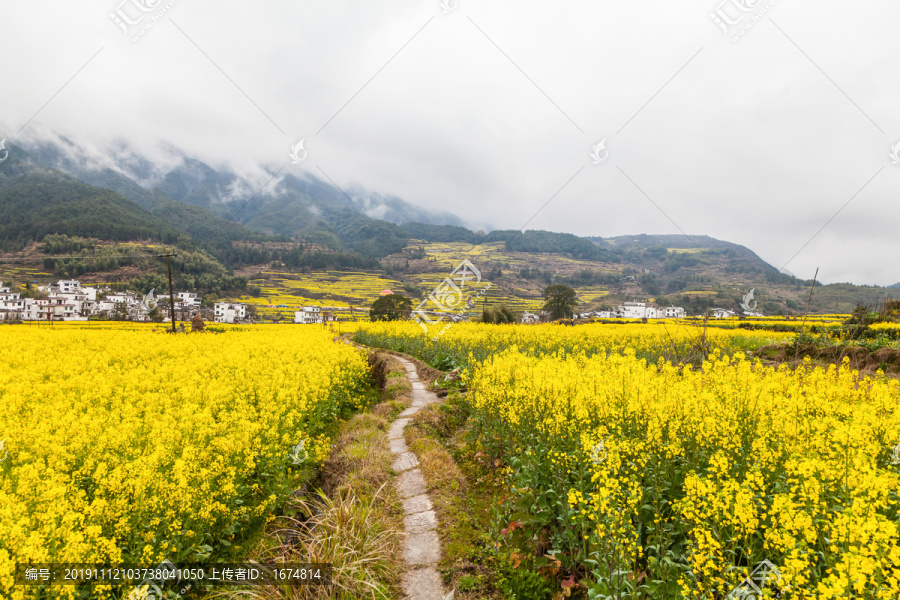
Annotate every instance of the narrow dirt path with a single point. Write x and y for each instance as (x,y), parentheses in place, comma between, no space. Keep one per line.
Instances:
(422,549)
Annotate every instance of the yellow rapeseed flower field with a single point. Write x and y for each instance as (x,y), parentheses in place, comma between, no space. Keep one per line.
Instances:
(695,476)
(671,339)
(129,446)
(653,479)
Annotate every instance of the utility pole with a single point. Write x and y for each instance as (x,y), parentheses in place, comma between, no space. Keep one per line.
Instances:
(168,256)
(808,303)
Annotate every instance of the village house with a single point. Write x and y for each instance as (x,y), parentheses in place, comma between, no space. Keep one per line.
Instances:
(641,310)
(12,306)
(633,310)
(68,300)
(188,299)
(225,312)
(68,286)
(308,315)
(314,314)
(54,309)
(673,312)
(117,304)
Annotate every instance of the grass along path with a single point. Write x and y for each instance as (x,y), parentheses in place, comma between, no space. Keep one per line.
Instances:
(422,548)
(428,433)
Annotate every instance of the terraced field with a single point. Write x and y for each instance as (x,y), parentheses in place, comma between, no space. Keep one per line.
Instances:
(9,273)
(284,293)
(494,255)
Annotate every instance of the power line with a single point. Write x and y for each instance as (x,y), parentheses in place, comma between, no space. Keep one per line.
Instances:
(53,256)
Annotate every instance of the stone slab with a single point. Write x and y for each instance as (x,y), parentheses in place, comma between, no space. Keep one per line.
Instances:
(420,522)
(424,397)
(422,548)
(398,446)
(411,483)
(396,429)
(422,584)
(405,462)
(411,410)
(417,504)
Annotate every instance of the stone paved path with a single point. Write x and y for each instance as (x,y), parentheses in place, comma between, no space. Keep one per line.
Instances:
(422,549)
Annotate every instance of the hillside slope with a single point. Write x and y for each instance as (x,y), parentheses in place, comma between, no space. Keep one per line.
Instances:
(44,202)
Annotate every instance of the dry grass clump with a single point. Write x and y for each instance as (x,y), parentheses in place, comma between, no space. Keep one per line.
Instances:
(347,531)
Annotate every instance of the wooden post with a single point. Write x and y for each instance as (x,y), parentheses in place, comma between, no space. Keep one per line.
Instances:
(169,256)
(808,303)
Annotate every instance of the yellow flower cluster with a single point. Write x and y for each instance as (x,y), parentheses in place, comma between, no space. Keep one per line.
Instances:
(130,446)
(670,339)
(718,468)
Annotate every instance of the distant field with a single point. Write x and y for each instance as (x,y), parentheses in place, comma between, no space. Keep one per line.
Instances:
(494,255)
(355,289)
(9,273)
(686,250)
(590,294)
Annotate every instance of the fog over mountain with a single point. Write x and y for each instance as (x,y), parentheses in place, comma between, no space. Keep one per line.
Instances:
(771,132)
(232,194)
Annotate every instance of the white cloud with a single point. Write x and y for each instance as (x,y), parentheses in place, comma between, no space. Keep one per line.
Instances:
(750,142)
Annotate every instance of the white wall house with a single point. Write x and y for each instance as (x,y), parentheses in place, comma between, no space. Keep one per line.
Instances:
(54,309)
(126,297)
(83,304)
(189,299)
(12,306)
(225,312)
(632,310)
(722,313)
(308,314)
(673,312)
(640,310)
(67,286)
(70,306)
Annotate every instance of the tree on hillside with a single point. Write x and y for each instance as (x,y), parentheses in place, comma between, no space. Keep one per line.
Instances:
(391,307)
(559,301)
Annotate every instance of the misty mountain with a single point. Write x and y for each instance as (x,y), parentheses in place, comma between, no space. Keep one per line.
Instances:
(66,156)
(37,201)
(43,202)
(288,206)
(217,207)
(202,225)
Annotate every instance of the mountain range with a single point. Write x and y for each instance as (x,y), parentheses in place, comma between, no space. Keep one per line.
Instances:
(55,187)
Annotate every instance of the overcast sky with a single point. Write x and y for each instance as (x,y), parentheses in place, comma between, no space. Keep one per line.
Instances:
(491,109)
